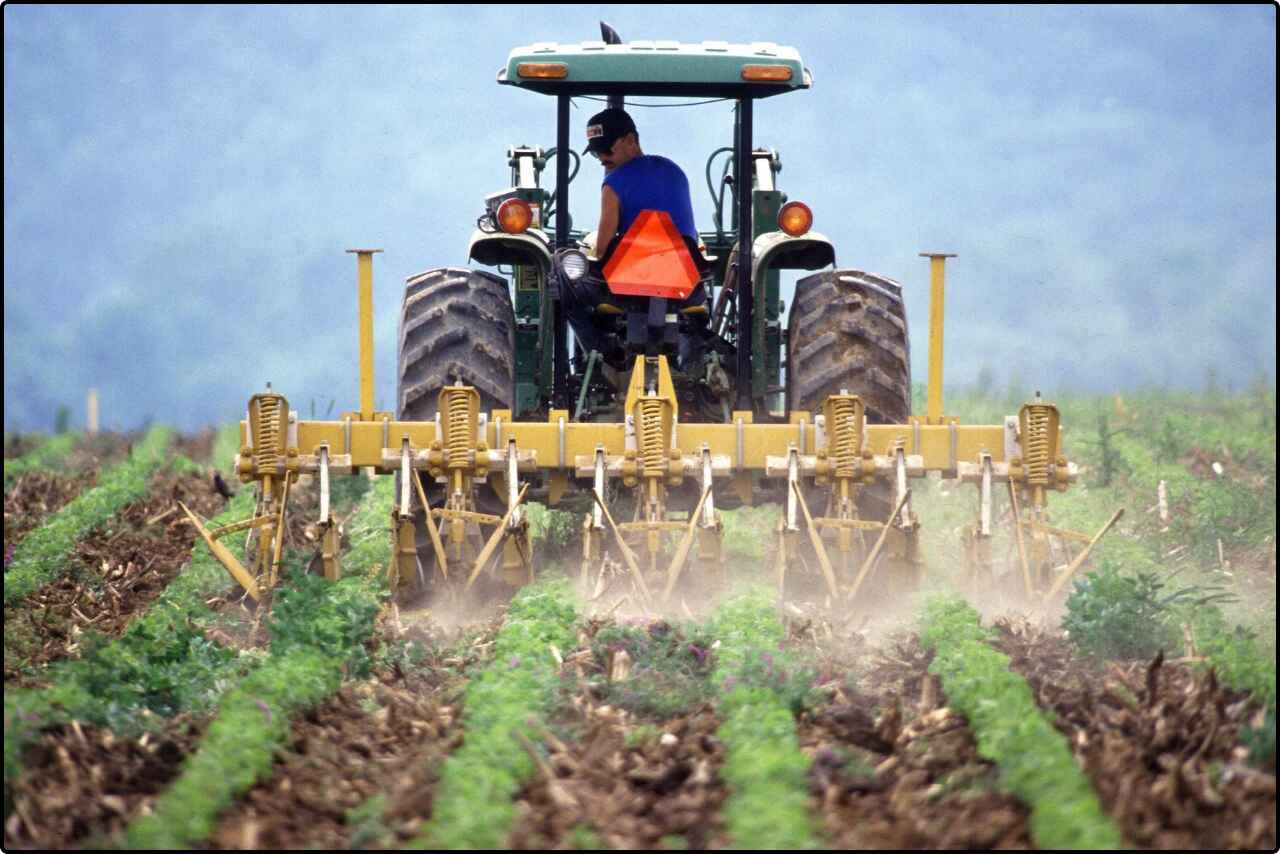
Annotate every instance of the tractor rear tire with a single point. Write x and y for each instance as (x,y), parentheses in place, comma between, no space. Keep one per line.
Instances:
(848,332)
(455,325)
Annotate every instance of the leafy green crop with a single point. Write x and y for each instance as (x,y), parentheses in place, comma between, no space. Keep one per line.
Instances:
(764,768)
(318,632)
(1035,763)
(42,556)
(1111,615)
(670,666)
(42,458)
(474,805)
(1242,664)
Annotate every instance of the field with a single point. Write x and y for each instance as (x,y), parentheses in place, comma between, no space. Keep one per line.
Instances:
(148,704)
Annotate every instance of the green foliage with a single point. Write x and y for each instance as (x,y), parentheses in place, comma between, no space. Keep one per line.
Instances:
(367,823)
(145,671)
(332,619)
(670,665)
(748,531)
(318,631)
(1111,615)
(238,748)
(474,805)
(1035,762)
(226,444)
(766,772)
(583,838)
(1261,742)
(42,556)
(1243,664)
(554,529)
(43,458)
(1237,655)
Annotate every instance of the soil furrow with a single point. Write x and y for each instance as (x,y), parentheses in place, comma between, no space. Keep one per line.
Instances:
(1159,740)
(360,770)
(82,783)
(895,768)
(119,572)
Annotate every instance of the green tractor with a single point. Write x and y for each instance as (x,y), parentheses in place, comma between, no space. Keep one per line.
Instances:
(507,333)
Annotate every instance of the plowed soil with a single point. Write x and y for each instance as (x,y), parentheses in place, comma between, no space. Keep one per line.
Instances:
(1158,740)
(387,736)
(35,497)
(893,767)
(117,573)
(619,779)
(82,784)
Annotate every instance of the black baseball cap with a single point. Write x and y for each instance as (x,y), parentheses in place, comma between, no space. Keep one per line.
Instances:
(606,128)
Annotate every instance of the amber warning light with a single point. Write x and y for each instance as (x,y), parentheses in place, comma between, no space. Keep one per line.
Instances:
(514,216)
(795,218)
(544,70)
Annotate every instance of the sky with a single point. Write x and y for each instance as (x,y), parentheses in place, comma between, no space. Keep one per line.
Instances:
(181,184)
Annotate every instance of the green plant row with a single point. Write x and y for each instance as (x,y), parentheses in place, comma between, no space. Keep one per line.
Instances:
(760,689)
(474,804)
(226,444)
(1243,664)
(42,555)
(161,664)
(318,634)
(1035,762)
(41,458)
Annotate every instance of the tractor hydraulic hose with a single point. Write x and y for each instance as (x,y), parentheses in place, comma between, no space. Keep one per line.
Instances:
(718,199)
(550,207)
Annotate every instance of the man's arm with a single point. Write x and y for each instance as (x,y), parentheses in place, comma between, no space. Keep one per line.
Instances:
(610,213)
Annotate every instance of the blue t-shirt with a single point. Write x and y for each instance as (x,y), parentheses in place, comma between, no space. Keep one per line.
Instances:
(650,182)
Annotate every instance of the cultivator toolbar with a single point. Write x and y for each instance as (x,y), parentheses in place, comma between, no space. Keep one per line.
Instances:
(659,463)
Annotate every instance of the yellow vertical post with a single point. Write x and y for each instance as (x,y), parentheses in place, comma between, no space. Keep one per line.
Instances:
(937,289)
(364,277)
(91,426)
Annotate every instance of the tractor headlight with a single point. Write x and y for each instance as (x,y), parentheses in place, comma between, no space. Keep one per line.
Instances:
(574,264)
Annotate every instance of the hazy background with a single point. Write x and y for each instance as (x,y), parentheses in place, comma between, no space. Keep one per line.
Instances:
(180,184)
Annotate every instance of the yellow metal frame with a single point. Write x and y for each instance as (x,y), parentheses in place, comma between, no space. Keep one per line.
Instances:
(651,451)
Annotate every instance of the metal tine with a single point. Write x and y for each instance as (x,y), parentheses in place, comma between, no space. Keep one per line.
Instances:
(682,552)
(875,550)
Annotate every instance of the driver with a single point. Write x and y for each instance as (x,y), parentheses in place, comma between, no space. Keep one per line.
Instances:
(634,181)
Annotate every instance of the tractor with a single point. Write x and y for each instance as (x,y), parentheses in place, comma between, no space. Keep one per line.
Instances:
(651,384)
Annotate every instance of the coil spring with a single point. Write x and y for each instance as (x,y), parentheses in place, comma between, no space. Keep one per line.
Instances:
(1035,447)
(844,436)
(268,438)
(651,451)
(458,412)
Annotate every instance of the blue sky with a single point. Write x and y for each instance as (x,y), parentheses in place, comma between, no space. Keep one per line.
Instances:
(181,183)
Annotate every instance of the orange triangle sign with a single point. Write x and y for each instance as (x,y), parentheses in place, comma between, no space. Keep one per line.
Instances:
(652,260)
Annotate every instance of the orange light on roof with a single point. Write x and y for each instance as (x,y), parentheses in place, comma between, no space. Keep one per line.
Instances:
(514,216)
(795,218)
(552,70)
(766,72)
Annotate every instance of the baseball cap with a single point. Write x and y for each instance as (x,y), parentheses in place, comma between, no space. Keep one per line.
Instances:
(606,128)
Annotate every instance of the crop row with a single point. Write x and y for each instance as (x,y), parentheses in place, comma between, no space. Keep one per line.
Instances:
(318,632)
(42,458)
(507,701)
(42,554)
(1036,764)
(760,689)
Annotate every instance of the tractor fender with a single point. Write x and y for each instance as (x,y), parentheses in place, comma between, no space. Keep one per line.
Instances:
(494,248)
(777,250)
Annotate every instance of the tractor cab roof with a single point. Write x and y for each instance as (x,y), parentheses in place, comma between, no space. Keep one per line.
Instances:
(709,70)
